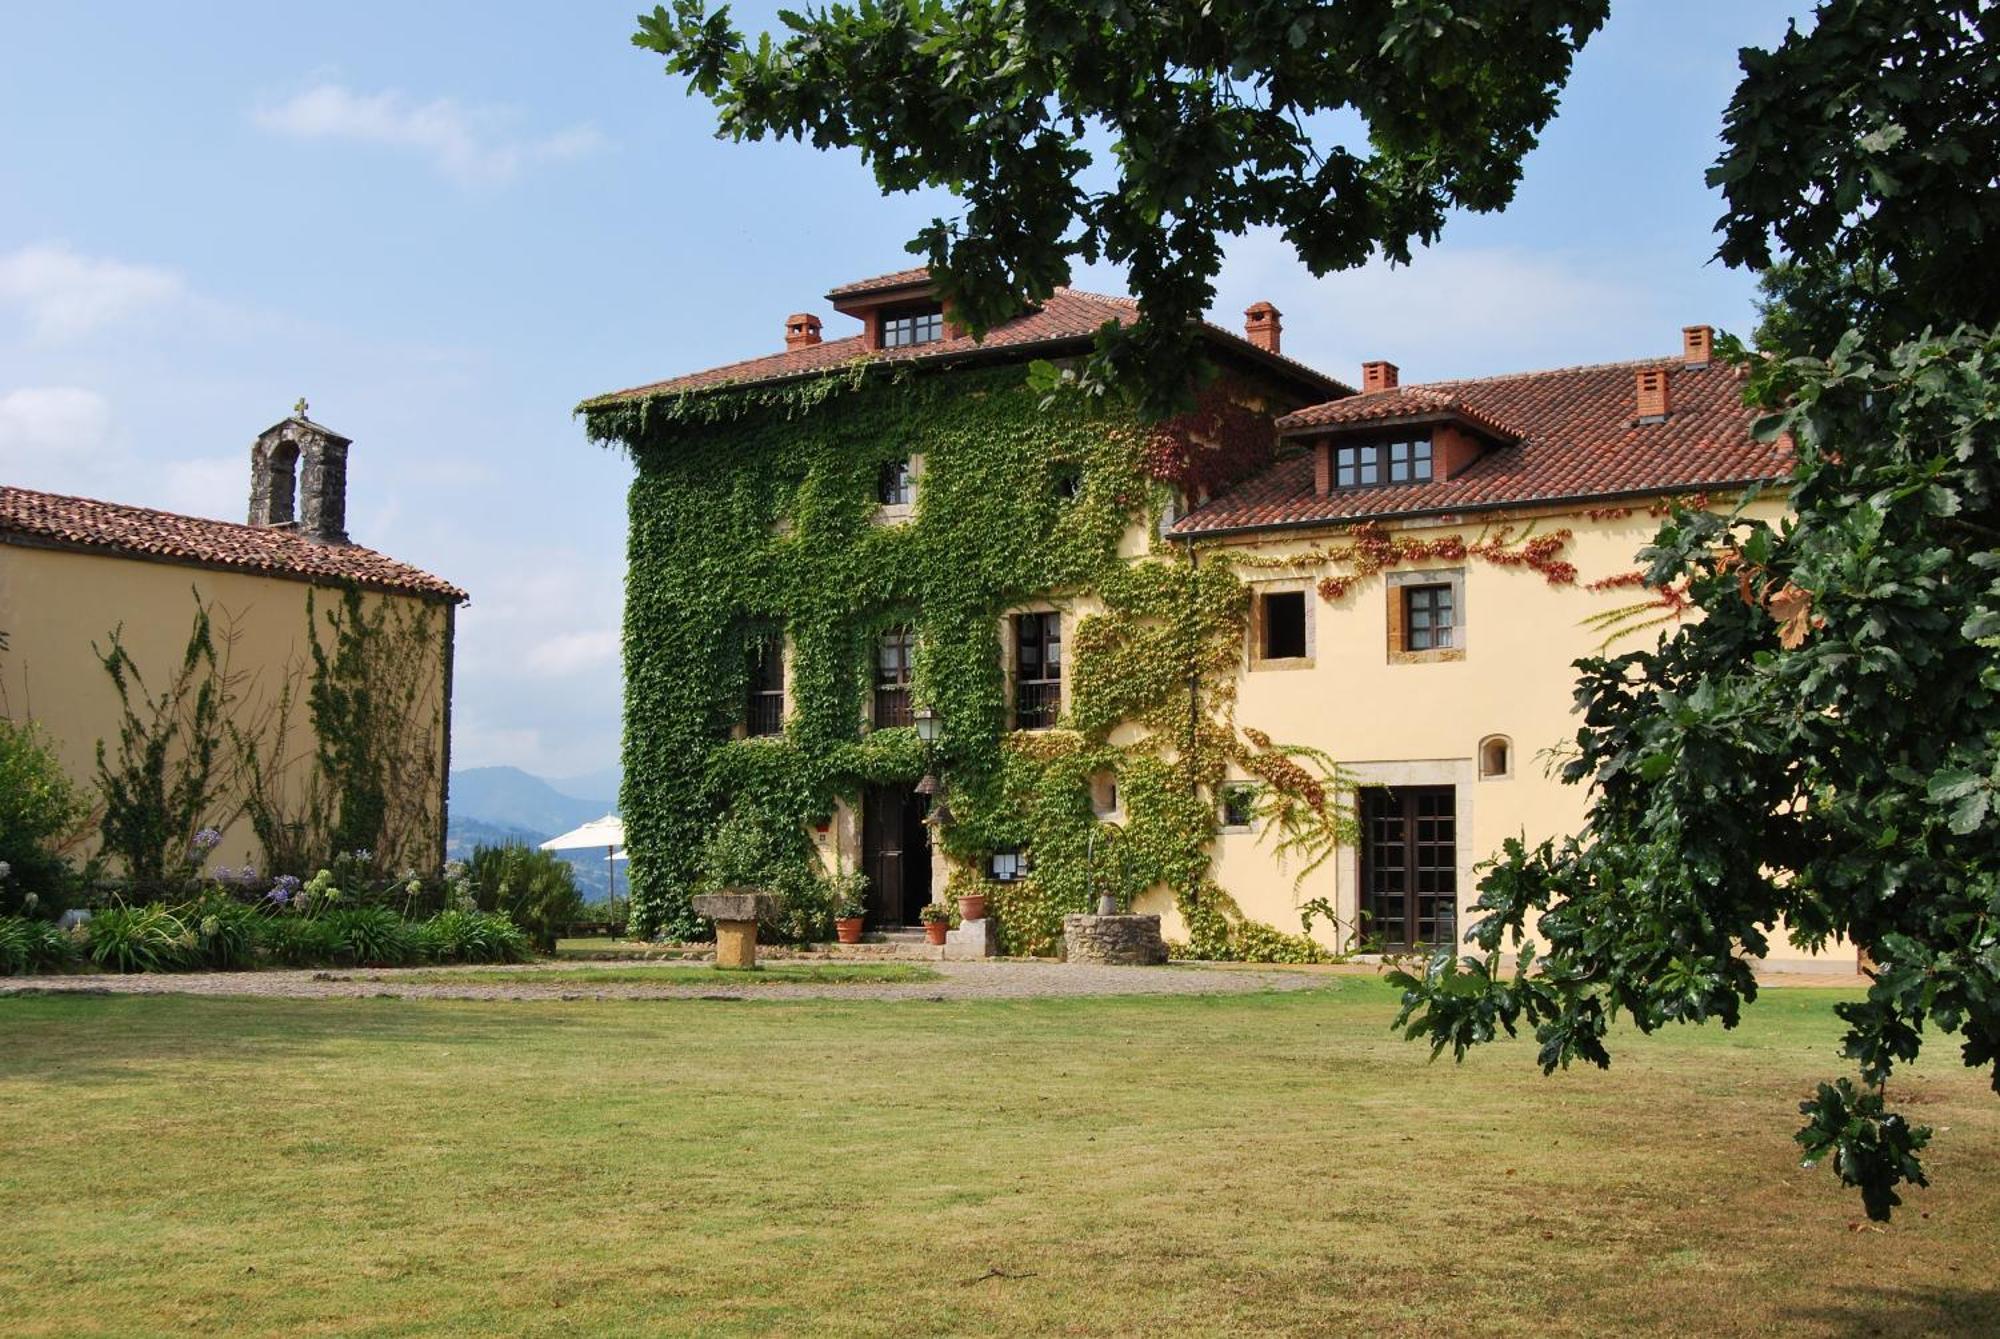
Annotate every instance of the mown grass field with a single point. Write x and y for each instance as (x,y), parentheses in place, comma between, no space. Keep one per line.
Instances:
(1269,1164)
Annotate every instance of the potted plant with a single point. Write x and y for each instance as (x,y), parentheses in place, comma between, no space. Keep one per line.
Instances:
(848,892)
(972,906)
(936,917)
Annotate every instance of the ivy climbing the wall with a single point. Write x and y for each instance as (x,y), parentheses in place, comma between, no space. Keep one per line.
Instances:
(755,509)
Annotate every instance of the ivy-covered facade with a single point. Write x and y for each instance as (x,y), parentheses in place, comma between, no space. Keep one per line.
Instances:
(1278,669)
(764,514)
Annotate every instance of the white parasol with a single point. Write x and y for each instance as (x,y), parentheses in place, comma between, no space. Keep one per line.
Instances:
(608,832)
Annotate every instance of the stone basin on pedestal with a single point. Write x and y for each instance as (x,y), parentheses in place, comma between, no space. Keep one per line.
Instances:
(736,912)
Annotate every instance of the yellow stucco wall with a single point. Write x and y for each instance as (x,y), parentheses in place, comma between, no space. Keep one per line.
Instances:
(55,603)
(1422,723)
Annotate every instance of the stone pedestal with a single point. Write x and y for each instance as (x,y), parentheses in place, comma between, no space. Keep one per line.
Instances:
(1118,941)
(736,943)
(735,912)
(973,939)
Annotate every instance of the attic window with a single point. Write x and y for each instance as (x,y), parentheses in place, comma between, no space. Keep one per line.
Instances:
(1370,464)
(919,325)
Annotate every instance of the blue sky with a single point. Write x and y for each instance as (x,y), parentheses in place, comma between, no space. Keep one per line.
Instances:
(445,224)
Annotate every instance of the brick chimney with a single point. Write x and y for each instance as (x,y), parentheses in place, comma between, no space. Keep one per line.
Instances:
(1654,399)
(1378,376)
(1697,343)
(1262,325)
(801,329)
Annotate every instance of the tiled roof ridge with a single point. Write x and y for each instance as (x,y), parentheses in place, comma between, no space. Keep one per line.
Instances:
(75,521)
(893,279)
(1060,320)
(1671,359)
(646,386)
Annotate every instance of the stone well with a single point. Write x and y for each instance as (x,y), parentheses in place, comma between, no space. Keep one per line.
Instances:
(1118,941)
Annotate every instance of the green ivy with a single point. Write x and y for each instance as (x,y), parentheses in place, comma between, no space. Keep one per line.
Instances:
(754,508)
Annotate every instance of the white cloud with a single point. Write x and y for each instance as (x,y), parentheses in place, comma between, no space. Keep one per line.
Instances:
(467,144)
(571,652)
(37,422)
(65,295)
(216,486)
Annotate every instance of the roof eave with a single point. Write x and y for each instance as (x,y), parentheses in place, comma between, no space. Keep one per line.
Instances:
(1490,431)
(1312,381)
(1463,508)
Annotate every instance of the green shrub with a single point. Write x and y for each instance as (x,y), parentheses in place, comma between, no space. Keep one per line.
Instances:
(141,939)
(300,941)
(369,937)
(28,945)
(535,889)
(750,848)
(473,936)
(41,813)
(226,932)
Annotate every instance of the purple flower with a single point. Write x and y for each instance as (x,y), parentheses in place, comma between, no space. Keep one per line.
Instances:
(283,889)
(280,895)
(206,840)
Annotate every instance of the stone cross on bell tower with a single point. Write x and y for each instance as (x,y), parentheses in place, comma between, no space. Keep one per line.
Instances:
(299,447)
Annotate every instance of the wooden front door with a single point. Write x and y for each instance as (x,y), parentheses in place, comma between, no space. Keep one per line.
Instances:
(1409,865)
(895,852)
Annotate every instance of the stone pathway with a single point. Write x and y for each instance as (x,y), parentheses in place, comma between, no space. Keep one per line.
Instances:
(957,981)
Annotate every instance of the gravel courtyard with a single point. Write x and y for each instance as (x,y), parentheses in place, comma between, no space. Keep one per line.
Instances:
(1023,979)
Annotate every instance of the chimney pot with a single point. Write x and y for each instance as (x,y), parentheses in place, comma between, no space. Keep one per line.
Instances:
(1697,344)
(801,330)
(1655,401)
(1263,326)
(1379,376)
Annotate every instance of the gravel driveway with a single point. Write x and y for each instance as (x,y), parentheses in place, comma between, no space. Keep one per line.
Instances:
(958,981)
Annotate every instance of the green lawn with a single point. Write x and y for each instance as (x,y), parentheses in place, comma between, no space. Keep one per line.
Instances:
(693,974)
(1272,1163)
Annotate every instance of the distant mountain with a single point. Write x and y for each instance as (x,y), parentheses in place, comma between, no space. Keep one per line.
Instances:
(603,781)
(510,797)
(493,806)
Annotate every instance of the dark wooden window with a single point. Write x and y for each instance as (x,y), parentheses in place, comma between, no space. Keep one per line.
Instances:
(1368,464)
(1409,865)
(764,713)
(1239,805)
(895,486)
(903,328)
(1284,625)
(1428,618)
(892,677)
(1037,670)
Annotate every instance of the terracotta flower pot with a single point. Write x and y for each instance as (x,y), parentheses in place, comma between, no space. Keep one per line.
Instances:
(848,929)
(934,931)
(972,907)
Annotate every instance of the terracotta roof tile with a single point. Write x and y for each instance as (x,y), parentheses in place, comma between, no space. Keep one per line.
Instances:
(1401,404)
(1070,316)
(139,532)
(895,279)
(1578,439)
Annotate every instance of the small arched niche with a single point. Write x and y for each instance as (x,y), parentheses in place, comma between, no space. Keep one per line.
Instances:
(1496,758)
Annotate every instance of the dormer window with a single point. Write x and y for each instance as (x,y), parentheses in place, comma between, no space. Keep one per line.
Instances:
(912,325)
(1372,463)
